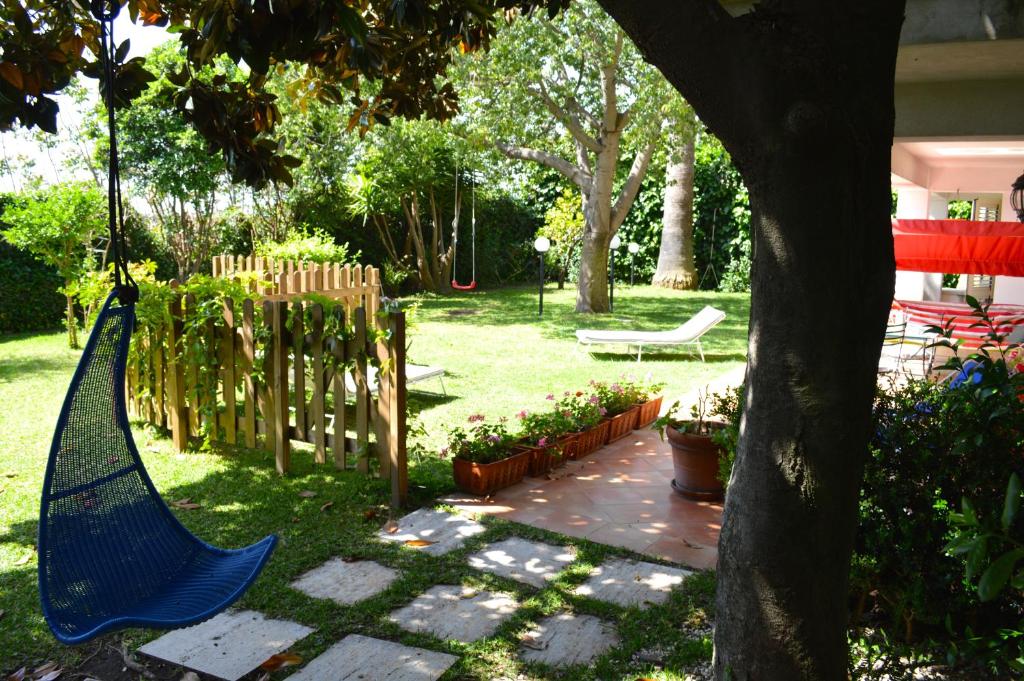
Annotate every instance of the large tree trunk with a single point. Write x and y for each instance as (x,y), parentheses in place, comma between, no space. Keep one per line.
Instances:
(676,268)
(592,286)
(801,94)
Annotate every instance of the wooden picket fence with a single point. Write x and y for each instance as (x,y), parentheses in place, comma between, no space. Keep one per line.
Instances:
(352,285)
(278,377)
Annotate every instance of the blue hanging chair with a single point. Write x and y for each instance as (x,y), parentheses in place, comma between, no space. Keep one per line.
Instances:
(111,554)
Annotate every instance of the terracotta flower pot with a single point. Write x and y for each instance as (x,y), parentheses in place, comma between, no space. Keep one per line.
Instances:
(569,444)
(542,460)
(485,478)
(649,412)
(621,425)
(695,460)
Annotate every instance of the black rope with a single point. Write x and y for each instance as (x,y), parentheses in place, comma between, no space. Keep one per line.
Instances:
(105,11)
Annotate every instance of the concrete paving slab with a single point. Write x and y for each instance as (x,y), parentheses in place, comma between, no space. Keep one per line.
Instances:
(346,582)
(229,646)
(530,562)
(455,612)
(445,531)
(566,639)
(360,658)
(630,583)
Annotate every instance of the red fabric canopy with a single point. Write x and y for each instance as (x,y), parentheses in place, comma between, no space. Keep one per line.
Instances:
(959,246)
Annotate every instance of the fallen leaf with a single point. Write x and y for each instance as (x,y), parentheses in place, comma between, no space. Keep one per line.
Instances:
(391,527)
(326,506)
(264,677)
(295,519)
(418,543)
(644,678)
(348,559)
(185,504)
(190,676)
(307,494)
(531,641)
(17,676)
(51,676)
(44,669)
(280,661)
(23,560)
(369,514)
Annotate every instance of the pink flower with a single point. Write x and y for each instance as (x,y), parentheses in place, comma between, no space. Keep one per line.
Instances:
(521,415)
(550,396)
(566,393)
(444,452)
(594,399)
(543,442)
(602,411)
(473,418)
(616,388)
(493,438)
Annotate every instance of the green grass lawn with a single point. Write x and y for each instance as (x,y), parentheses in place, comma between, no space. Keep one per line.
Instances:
(500,360)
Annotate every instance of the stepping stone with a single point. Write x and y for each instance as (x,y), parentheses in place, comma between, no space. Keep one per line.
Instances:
(445,531)
(524,561)
(371,659)
(631,583)
(229,646)
(346,582)
(566,639)
(455,612)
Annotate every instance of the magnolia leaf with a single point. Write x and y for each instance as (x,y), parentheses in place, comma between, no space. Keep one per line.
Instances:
(280,661)
(326,506)
(12,74)
(185,504)
(997,574)
(1012,503)
(44,669)
(18,675)
(419,543)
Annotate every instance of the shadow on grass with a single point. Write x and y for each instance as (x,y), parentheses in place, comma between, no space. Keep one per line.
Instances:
(17,368)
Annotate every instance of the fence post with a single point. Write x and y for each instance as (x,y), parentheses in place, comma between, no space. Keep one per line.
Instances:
(248,366)
(227,363)
(338,446)
(319,387)
(397,400)
(279,387)
(177,415)
(362,393)
(298,338)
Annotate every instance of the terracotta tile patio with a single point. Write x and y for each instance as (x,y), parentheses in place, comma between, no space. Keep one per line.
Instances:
(619,495)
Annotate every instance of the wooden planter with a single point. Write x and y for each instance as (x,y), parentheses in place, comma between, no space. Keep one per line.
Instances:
(543,460)
(621,425)
(484,478)
(695,461)
(591,440)
(649,412)
(569,444)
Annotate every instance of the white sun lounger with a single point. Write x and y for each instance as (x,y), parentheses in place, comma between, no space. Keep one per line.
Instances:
(687,334)
(414,373)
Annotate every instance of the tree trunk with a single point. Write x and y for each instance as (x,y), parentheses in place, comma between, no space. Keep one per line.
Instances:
(676,268)
(801,94)
(72,324)
(592,287)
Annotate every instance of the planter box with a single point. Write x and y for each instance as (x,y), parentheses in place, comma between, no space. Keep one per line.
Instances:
(542,460)
(484,478)
(621,425)
(591,440)
(569,444)
(649,412)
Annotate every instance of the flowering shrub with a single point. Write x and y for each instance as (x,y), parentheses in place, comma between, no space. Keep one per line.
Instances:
(642,390)
(543,428)
(581,410)
(616,397)
(480,443)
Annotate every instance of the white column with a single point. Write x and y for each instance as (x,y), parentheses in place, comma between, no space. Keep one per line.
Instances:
(912,203)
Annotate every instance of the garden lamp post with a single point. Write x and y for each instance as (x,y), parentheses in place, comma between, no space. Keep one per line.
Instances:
(541,244)
(634,248)
(613,245)
(1017,197)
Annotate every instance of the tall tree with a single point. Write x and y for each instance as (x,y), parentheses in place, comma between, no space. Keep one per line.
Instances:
(802,95)
(574,95)
(676,266)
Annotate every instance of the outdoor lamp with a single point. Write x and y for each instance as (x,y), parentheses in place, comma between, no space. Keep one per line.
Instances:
(541,244)
(633,248)
(1017,197)
(615,242)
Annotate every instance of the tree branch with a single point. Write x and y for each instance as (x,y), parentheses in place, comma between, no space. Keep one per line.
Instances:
(632,185)
(608,83)
(576,175)
(569,120)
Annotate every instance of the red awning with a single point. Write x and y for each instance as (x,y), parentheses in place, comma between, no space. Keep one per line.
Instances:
(959,246)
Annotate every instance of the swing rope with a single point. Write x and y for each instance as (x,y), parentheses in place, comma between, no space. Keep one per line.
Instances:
(455,234)
(111,553)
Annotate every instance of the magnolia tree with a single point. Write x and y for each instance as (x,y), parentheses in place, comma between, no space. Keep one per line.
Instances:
(575,95)
(801,94)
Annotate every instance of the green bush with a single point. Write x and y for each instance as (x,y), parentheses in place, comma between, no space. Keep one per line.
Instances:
(315,246)
(933,445)
(29,300)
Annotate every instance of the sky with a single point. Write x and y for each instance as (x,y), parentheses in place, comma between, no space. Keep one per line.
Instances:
(20,146)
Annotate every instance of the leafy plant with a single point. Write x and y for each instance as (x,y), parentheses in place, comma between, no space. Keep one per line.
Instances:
(314,246)
(481,442)
(583,411)
(615,398)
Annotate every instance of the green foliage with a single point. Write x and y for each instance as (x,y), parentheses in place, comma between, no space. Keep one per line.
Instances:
(737,273)
(728,406)
(481,442)
(933,446)
(960,210)
(563,225)
(721,210)
(315,246)
(30,300)
(582,410)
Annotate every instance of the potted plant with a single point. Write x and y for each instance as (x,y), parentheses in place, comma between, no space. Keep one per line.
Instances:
(702,448)
(485,457)
(648,398)
(539,433)
(585,417)
(619,402)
